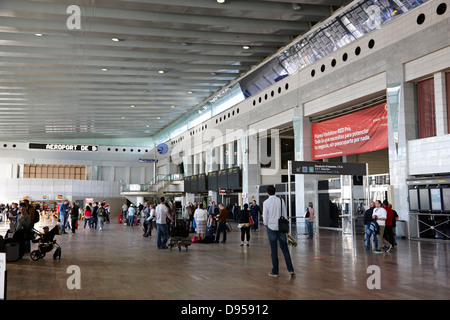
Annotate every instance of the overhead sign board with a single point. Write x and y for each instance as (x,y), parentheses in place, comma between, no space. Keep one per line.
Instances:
(362,131)
(332,168)
(62,147)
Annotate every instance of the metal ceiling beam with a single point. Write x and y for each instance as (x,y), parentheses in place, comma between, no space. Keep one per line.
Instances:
(273,7)
(123,54)
(112,30)
(91,13)
(69,71)
(58,41)
(118,64)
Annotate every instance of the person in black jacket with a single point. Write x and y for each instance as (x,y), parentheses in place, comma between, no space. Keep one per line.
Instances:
(74,212)
(367,219)
(244,224)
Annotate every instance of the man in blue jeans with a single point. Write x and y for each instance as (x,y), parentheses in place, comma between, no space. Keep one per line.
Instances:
(162,232)
(273,208)
(64,210)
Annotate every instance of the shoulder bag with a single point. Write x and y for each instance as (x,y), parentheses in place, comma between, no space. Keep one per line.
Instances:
(283,223)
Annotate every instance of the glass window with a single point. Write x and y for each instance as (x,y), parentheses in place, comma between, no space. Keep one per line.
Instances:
(426,114)
(287,152)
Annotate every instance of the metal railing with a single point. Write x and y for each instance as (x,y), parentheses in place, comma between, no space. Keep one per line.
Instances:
(157,182)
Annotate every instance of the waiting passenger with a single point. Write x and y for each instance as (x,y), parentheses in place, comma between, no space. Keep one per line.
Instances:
(200,217)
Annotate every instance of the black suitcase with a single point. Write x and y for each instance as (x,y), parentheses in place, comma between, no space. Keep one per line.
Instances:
(209,231)
(12,251)
(180,229)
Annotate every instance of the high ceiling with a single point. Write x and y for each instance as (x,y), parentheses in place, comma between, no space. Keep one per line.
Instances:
(129,68)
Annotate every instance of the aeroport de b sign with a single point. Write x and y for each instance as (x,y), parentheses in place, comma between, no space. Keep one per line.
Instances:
(62,147)
(334,168)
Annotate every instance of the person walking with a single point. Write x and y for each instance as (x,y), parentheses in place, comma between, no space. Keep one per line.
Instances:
(244,224)
(380,214)
(388,233)
(236,210)
(101,216)
(74,212)
(13,214)
(63,215)
(131,212)
(162,213)
(367,220)
(310,220)
(273,208)
(222,224)
(87,216)
(255,210)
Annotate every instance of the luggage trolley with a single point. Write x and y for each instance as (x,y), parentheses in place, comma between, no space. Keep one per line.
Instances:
(179,236)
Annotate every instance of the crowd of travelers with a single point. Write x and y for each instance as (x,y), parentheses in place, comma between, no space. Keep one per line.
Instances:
(209,222)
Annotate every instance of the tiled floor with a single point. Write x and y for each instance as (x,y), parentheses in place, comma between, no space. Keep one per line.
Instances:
(119,263)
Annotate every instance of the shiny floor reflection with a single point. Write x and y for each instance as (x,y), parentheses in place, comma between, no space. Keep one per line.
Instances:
(119,263)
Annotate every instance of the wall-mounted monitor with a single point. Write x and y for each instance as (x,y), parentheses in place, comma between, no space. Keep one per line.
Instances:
(436,199)
(187,184)
(424,200)
(201,183)
(194,184)
(446,199)
(212,181)
(413,199)
(234,178)
(222,180)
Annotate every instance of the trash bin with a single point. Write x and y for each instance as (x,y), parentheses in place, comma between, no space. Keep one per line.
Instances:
(402,229)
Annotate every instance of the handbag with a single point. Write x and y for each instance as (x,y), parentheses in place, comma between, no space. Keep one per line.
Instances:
(250,220)
(306,213)
(283,223)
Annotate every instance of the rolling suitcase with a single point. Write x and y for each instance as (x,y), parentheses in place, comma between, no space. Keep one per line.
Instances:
(12,251)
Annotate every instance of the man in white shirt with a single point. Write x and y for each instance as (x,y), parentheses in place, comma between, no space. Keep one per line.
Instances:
(380,214)
(161,226)
(272,210)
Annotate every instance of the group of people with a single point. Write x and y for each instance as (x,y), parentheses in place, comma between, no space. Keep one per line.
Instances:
(153,216)
(380,220)
(20,216)
(95,215)
(247,219)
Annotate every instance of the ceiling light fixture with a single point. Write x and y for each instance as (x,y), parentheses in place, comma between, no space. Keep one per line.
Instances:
(104,69)
(296,6)
(115,39)
(220,1)
(161,71)
(190,92)
(38,34)
(132,106)
(245,47)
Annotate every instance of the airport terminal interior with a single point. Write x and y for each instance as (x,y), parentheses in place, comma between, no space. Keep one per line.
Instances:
(338,105)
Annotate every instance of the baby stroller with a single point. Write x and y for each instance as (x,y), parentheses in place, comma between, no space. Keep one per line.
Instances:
(46,243)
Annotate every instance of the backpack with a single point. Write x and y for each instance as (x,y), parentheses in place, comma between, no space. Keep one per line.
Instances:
(101,211)
(374,227)
(37,216)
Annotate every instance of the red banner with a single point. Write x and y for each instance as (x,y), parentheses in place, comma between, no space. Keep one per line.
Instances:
(358,132)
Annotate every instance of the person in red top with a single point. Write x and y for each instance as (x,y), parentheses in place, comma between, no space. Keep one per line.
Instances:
(388,234)
(88,216)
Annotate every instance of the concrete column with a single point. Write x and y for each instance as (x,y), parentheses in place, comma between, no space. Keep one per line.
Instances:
(440,96)
(401,129)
